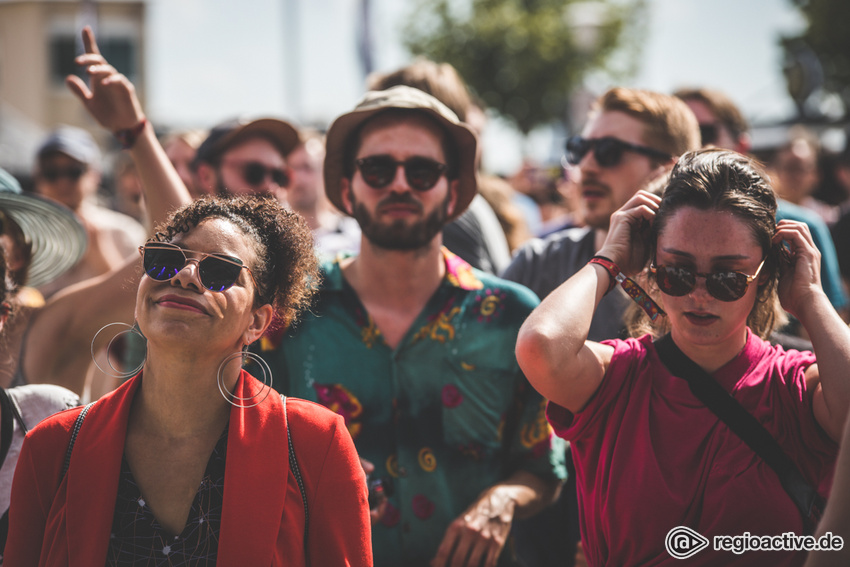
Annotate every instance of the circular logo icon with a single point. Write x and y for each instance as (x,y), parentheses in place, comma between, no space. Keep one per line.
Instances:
(683,542)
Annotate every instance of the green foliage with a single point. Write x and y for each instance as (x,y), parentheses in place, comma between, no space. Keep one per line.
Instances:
(828,35)
(524,58)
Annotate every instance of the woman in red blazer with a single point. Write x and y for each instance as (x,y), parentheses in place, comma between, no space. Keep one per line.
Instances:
(188,462)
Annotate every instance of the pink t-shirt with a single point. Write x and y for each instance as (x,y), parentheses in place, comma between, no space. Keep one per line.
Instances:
(649,457)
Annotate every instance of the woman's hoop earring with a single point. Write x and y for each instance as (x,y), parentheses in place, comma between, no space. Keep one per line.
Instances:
(267,377)
(116,373)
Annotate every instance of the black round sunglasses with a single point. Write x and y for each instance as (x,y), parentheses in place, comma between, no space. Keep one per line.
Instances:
(421,173)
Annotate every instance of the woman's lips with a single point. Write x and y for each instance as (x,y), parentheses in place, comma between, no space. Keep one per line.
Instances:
(179,302)
(700,319)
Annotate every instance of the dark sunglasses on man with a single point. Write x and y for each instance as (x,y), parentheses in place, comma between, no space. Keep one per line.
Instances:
(255,173)
(54,174)
(421,173)
(607,151)
(725,286)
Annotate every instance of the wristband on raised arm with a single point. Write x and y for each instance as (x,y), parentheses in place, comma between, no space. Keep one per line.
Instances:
(128,136)
(637,293)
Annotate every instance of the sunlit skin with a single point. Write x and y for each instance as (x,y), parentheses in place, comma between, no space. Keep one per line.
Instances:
(182,311)
(604,190)
(709,241)
(64,190)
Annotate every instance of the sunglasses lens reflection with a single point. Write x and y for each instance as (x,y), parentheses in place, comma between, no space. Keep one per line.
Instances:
(162,264)
(218,275)
(725,286)
(377,172)
(422,174)
(674,281)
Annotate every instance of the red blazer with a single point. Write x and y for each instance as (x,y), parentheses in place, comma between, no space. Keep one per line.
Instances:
(67,521)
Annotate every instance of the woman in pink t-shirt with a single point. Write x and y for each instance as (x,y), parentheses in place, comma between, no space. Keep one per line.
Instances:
(649,455)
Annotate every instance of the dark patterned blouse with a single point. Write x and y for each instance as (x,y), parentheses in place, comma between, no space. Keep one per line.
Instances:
(137,538)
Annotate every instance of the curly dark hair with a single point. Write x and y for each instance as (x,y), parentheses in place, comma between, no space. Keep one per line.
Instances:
(287,270)
(722,180)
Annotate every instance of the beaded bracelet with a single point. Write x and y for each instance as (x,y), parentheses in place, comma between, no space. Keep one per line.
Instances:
(652,309)
(128,136)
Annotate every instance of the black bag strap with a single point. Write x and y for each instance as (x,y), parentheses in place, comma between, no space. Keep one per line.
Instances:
(78,423)
(744,425)
(296,470)
(7,425)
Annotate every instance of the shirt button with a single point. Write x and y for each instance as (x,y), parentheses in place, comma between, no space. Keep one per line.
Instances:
(402,471)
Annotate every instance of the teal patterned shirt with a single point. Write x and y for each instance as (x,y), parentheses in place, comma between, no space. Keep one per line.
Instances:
(444,415)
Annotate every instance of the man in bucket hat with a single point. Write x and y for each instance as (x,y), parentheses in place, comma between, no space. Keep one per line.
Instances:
(414,348)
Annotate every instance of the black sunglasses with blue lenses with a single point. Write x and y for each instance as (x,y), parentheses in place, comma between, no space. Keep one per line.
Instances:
(163,261)
(421,173)
(607,151)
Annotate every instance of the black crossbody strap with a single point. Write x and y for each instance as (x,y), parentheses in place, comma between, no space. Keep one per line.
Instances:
(78,423)
(296,470)
(7,426)
(745,426)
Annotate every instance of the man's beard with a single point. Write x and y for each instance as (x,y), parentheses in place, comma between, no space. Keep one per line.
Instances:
(398,235)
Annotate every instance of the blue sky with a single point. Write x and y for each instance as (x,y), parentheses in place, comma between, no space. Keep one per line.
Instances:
(209,60)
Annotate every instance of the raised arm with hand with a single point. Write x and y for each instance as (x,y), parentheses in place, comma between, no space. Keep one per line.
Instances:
(111,100)
(552,347)
(802,295)
(836,516)
(58,343)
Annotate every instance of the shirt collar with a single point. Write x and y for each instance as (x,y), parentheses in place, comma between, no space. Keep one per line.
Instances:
(459,274)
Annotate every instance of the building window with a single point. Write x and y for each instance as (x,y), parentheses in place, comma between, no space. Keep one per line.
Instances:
(119,51)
